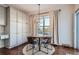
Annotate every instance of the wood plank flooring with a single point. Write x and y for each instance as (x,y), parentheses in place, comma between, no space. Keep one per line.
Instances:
(59,50)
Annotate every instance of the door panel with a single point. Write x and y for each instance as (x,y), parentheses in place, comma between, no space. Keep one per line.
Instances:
(24,18)
(24,28)
(19,27)
(13,41)
(19,39)
(24,37)
(12,27)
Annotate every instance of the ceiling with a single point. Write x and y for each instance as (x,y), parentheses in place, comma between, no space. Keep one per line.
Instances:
(34,8)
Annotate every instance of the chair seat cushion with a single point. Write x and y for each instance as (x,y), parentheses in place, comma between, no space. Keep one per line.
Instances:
(34,42)
(44,42)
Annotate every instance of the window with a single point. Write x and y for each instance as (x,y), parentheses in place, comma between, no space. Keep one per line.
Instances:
(43,25)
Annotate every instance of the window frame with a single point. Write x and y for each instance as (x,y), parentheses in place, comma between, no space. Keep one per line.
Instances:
(43,17)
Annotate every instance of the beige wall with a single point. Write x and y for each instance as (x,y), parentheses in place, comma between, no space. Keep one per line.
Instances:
(76,6)
(2,23)
(1,32)
(65,24)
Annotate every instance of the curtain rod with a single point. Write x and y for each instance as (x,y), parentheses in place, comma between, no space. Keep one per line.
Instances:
(43,13)
(46,12)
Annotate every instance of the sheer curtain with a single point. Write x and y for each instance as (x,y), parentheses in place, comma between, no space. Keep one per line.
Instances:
(54,27)
(33,25)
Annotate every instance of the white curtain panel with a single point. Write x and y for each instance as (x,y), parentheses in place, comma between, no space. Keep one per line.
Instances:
(56,29)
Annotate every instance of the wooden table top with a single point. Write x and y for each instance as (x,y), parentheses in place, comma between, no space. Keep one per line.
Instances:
(40,36)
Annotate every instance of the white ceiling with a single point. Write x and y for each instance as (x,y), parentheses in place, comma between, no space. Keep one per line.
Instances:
(34,8)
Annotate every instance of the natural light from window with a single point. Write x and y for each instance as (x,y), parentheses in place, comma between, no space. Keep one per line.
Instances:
(43,25)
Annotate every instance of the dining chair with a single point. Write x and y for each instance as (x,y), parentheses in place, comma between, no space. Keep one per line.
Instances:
(46,42)
(33,42)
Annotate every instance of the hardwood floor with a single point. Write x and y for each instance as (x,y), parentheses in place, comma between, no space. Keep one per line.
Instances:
(14,51)
(59,50)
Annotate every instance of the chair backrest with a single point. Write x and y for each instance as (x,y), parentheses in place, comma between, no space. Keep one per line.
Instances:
(47,39)
(30,39)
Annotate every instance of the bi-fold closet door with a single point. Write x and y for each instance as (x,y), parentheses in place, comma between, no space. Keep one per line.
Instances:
(13,26)
(25,28)
(18,27)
